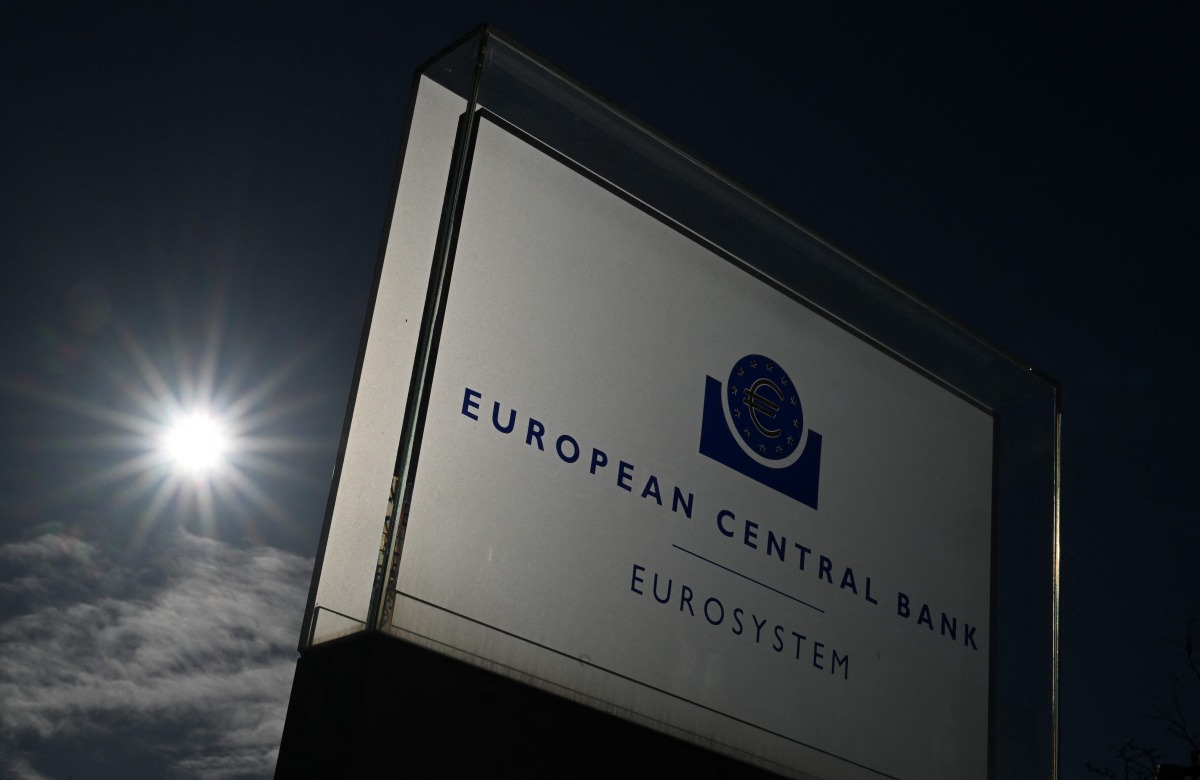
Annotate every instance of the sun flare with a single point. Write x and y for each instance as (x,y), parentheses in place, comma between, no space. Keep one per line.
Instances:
(203,422)
(196,442)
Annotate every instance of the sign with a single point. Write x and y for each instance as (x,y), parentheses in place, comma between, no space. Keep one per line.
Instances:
(649,478)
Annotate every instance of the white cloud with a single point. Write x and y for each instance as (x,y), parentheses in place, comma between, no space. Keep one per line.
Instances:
(198,644)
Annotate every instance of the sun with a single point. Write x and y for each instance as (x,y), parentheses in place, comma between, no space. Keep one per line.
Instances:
(196,443)
(163,439)
(198,421)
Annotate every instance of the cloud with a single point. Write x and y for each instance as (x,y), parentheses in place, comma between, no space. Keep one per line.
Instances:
(186,654)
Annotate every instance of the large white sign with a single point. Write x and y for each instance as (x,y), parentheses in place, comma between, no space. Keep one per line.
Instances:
(650,480)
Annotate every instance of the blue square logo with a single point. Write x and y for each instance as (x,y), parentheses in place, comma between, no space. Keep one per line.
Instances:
(754,424)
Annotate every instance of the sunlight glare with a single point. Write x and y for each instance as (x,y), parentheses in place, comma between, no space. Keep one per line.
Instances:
(196,442)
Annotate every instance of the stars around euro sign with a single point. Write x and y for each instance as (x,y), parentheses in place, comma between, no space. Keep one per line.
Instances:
(756,388)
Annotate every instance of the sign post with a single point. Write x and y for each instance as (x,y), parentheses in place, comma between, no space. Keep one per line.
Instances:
(624,434)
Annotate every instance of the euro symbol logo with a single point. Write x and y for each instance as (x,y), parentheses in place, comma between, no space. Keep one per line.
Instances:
(773,447)
(759,404)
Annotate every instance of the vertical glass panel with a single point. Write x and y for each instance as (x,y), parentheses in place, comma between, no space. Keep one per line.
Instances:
(358,539)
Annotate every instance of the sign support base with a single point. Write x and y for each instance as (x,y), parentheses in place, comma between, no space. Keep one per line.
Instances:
(343,721)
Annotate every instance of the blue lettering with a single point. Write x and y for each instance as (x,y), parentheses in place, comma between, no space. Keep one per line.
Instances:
(952,624)
(665,598)
(737,619)
(848,581)
(777,542)
(468,403)
(799,641)
(868,593)
(842,661)
(720,606)
(624,474)
(925,617)
(778,646)
(803,552)
(678,501)
(750,534)
(817,655)
(969,636)
(535,431)
(902,606)
(558,446)
(758,627)
(636,579)
(599,460)
(512,418)
(651,489)
(825,570)
(723,514)
(685,599)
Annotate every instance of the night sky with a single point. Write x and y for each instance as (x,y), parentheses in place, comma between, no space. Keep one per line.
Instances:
(193,199)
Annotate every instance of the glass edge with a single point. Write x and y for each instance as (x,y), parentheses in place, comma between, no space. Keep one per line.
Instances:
(310,617)
(1056,590)
(378,617)
(1019,367)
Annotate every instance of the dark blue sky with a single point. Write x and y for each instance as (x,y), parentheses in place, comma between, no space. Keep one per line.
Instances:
(193,199)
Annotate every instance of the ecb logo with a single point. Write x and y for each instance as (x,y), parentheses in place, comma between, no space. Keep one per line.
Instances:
(754,424)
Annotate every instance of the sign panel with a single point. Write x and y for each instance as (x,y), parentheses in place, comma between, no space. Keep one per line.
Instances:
(653,480)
